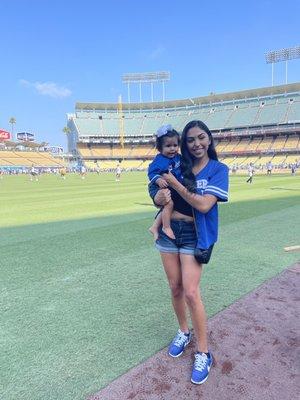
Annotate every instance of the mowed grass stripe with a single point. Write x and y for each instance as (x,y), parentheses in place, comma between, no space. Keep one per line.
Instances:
(85,200)
(229,213)
(76,198)
(62,187)
(28,233)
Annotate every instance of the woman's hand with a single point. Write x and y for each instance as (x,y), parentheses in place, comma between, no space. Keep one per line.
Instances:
(170,179)
(162,197)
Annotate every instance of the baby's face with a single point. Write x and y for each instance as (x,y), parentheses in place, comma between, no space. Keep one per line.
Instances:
(170,147)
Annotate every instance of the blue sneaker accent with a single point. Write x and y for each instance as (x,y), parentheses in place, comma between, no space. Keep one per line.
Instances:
(179,343)
(201,367)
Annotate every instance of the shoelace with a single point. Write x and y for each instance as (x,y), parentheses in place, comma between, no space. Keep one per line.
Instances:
(180,339)
(200,362)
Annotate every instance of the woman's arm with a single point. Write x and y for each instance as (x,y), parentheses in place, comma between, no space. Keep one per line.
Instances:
(201,203)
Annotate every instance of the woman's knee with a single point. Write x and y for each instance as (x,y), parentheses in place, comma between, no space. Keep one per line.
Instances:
(192,296)
(176,289)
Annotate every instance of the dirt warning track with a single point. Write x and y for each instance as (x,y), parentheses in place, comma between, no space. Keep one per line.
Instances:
(255,346)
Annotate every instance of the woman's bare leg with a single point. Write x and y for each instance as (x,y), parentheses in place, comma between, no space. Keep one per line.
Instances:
(171,263)
(191,274)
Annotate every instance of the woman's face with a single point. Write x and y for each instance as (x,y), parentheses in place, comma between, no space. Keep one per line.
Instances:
(197,142)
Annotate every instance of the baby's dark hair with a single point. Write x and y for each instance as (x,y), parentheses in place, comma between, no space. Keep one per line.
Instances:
(161,139)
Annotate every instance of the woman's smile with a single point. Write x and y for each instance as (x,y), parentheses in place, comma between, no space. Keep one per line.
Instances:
(197,142)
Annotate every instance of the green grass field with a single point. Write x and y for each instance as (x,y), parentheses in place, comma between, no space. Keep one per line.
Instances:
(83,296)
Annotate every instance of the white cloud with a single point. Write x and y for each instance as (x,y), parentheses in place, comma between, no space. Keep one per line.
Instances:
(23,82)
(156,53)
(47,88)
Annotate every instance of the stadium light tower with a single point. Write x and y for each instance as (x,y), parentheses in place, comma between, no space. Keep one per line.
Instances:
(276,56)
(146,77)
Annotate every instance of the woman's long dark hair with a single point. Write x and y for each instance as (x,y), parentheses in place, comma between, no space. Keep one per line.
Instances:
(187,160)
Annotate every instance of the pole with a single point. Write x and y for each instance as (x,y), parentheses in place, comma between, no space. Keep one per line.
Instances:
(163,82)
(128,91)
(286,72)
(121,121)
(140,92)
(152,92)
(272,74)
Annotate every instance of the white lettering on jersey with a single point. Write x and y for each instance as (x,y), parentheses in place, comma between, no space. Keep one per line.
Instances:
(176,165)
(202,183)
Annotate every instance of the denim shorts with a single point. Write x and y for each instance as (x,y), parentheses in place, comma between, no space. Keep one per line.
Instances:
(185,242)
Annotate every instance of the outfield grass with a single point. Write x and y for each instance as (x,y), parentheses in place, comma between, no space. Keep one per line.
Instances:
(83,297)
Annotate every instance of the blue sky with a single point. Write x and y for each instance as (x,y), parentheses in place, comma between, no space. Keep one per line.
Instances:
(55,53)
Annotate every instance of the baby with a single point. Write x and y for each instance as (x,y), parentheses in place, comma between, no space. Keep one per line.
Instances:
(168,160)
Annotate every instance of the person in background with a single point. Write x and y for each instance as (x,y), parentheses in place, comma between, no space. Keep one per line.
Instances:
(250,173)
(82,172)
(293,169)
(269,168)
(63,173)
(33,173)
(118,173)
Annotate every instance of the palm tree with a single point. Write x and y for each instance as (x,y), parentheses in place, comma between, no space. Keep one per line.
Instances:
(12,121)
(66,130)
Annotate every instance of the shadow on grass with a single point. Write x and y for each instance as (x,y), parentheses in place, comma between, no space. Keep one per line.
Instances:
(282,188)
(229,213)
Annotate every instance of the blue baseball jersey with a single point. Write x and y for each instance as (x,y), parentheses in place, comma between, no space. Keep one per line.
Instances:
(162,164)
(213,179)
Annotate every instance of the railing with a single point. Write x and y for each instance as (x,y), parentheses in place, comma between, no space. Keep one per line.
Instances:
(257,131)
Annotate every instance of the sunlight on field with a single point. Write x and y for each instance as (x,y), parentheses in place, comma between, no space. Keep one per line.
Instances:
(53,199)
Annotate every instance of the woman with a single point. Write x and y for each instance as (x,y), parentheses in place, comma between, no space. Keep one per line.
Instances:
(204,182)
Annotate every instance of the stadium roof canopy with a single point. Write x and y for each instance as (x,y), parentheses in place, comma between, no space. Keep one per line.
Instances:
(211,99)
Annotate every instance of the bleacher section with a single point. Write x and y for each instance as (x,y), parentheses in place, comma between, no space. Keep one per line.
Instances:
(278,143)
(104,120)
(104,152)
(252,126)
(293,159)
(132,156)
(28,159)
(266,143)
(231,146)
(292,142)
(242,145)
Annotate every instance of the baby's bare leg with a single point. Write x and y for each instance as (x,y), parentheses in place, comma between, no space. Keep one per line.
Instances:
(166,219)
(155,226)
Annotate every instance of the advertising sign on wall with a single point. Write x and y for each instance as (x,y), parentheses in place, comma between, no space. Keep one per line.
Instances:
(25,136)
(4,135)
